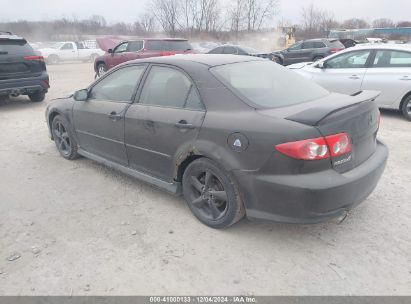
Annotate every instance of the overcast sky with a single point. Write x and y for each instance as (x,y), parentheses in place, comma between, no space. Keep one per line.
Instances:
(129,10)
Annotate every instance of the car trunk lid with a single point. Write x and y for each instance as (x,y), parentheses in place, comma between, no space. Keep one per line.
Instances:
(18,60)
(358,116)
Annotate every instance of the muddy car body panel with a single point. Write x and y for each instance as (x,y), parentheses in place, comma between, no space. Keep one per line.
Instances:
(237,131)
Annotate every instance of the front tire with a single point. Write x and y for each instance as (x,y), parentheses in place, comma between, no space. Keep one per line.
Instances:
(63,137)
(212,195)
(101,69)
(406,108)
(37,97)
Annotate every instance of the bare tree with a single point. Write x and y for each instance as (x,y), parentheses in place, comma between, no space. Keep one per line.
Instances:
(257,12)
(355,23)
(168,13)
(147,23)
(383,22)
(316,22)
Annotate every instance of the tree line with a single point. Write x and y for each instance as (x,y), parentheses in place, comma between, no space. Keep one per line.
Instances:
(197,18)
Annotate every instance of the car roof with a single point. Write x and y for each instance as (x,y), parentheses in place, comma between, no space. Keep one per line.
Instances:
(209,60)
(9,36)
(403,47)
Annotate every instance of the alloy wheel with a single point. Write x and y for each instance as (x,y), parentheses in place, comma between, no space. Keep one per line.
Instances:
(62,139)
(408,107)
(209,197)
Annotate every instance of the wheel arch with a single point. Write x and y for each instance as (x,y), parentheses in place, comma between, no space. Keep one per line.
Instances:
(404,99)
(50,118)
(97,63)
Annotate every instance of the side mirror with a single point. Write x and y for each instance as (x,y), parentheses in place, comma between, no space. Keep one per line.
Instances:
(321,65)
(81,95)
(110,51)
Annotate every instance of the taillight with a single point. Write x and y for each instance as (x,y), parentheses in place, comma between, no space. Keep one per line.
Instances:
(334,50)
(317,148)
(309,149)
(338,144)
(39,58)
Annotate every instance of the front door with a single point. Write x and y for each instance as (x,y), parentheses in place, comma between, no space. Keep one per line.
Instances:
(68,52)
(118,56)
(99,121)
(164,122)
(343,73)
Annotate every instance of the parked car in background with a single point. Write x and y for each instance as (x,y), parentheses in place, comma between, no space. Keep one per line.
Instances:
(144,48)
(22,70)
(381,67)
(69,51)
(310,50)
(245,51)
(312,156)
(349,42)
(204,47)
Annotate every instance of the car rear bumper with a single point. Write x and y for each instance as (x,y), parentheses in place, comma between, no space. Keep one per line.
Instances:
(310,198)
(25,86)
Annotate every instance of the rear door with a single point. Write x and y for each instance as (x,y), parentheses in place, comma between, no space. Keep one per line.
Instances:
(16,60)
(343,73)
(99,121)
(389,73)
(166,120)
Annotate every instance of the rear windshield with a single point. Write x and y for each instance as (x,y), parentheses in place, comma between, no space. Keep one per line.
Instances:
(14,47)
(336,44)
(169,45)
(265,84)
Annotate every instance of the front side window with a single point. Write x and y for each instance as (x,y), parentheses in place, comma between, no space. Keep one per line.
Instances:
(119,85)
(218,50)
(392,59)
(265,84)
(67,46)
(230,50)
(295,47)
(308,45)
(121,48)
(169,88)
(351,60)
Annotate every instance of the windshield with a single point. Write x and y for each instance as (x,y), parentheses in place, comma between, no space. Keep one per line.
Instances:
(267,85)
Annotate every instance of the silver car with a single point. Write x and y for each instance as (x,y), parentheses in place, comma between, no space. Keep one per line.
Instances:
(380,67)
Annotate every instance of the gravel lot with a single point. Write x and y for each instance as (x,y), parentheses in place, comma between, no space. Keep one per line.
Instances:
(80,228)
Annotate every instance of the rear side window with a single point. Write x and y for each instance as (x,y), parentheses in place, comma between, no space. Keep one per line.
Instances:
(319,45)
(169,88)
(392,59)
(119,85)
(218,50)
(169,45)
(67,46)
(267,85)
(15,47)
(308,45)
(230,50)
(135,46)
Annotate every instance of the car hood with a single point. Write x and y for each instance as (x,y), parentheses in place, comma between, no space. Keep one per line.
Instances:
(300,65)
(107,43)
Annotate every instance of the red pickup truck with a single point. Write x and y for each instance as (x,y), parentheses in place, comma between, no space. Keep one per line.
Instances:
(136,49)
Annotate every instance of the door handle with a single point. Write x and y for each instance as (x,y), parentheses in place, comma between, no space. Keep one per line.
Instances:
(182,124)
(354,77)
(114,116)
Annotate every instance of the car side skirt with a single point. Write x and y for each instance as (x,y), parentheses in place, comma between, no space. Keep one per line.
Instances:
(174,187)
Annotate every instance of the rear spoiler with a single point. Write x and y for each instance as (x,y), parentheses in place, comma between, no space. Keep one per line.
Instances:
(313,116)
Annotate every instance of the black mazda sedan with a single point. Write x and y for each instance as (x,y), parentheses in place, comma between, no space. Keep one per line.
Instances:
(235,135)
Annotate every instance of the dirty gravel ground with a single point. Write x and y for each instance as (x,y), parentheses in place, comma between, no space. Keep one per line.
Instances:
(76,227)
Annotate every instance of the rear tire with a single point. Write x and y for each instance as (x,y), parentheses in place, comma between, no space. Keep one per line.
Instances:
(53,59)
(63,138)
(37,97)
(212,195)
(406,108)
(101,69)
